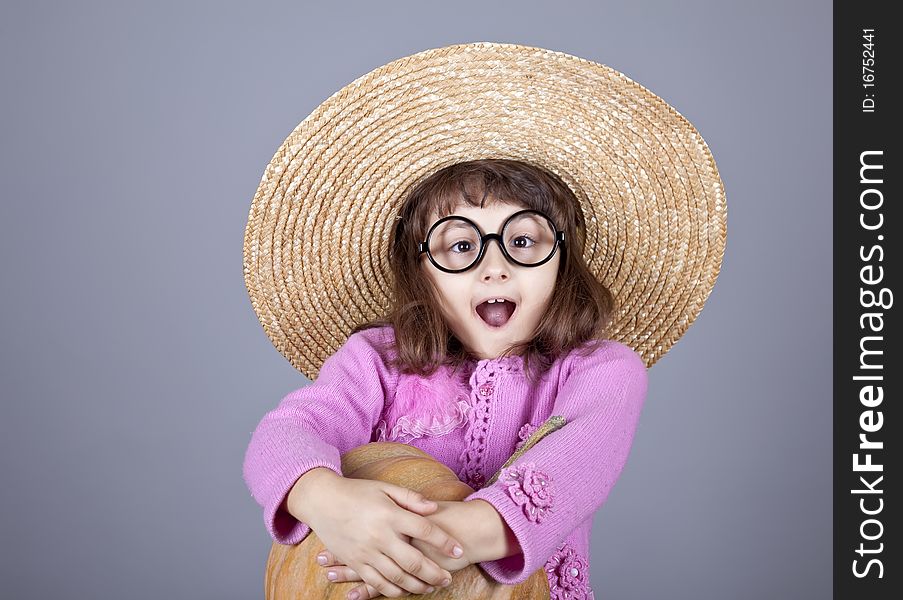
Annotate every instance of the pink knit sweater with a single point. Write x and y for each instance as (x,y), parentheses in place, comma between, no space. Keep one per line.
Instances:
(472,422)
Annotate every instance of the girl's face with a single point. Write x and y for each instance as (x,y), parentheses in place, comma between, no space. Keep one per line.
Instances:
(530,288)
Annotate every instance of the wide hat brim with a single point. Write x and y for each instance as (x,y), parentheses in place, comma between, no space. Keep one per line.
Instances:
(318,232)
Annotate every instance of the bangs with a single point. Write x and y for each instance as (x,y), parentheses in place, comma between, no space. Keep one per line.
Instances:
(472,184)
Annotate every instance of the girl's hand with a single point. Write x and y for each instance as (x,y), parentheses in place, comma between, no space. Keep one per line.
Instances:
(369,526)
(337,572)
(445,517)
(345,573)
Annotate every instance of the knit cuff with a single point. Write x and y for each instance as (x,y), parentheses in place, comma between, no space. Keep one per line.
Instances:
(531,534)
(282,526)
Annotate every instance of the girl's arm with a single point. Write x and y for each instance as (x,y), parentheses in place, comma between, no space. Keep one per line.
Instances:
(479,528)
(314,425)
(490,538)
(552,488)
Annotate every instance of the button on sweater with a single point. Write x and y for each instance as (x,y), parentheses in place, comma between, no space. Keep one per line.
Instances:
(472,420)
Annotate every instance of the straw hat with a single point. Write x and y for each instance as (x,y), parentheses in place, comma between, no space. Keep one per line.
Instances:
(318,233)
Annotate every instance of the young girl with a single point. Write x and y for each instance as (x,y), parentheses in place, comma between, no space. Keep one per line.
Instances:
(517,179)
(489,337)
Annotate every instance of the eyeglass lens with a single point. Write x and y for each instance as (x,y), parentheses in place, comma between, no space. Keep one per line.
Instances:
(528,238)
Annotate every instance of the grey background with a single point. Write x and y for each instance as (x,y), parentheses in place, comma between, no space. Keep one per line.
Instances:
(134,368)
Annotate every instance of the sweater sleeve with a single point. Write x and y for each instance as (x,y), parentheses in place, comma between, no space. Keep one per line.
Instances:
(561,481)
(313,426)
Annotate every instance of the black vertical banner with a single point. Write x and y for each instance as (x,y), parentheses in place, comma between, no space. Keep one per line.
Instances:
(867,364)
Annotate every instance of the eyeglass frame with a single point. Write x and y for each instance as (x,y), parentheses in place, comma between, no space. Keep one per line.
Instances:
(485,238)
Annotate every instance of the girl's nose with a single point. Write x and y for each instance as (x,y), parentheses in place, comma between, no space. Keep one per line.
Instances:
(494,263)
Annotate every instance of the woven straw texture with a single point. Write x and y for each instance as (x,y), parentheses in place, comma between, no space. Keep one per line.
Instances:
(317,237)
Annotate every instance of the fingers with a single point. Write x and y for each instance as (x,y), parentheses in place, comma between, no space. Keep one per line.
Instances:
(421,528)
(395,582)
(416,571)
(391,580)
(394,579)
(418,526)
(375,579)
(339,574)
(366,591)
(409,499)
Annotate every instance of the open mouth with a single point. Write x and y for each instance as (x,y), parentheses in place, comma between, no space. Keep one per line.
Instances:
(496,312)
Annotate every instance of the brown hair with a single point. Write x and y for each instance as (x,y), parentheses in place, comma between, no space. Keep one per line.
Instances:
(580,308)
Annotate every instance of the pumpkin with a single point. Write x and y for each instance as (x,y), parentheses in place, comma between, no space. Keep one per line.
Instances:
(292,572)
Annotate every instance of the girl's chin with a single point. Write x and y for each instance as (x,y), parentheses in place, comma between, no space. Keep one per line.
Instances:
(487,342)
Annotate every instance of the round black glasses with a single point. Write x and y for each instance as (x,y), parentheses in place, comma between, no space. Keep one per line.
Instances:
(455,244)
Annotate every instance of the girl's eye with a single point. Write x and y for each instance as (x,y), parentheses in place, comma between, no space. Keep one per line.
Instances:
(457,247)
(521,241)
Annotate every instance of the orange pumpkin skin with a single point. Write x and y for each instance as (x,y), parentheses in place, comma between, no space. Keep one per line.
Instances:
(292,572)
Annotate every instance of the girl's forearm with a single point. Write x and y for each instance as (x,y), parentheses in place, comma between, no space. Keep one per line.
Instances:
(298,502)
(489,536)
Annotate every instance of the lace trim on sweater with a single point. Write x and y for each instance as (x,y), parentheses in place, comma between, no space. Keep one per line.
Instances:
(482,392)
(424,406)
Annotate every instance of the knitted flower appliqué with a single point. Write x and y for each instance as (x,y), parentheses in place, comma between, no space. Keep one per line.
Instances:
(568,574)
(530,489)
(525,432)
